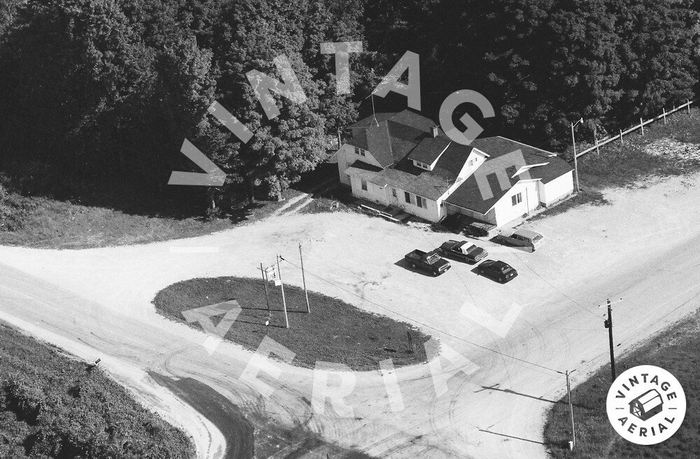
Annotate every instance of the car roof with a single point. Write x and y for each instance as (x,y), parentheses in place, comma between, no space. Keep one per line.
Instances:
(527,233)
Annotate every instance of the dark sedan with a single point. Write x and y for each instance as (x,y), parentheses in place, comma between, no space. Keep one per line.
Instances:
(498,271)
(463,251)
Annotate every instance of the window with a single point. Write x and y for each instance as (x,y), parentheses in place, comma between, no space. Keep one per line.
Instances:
(517,199)
(364,184)
(393,192)
(420,202)
(407,196)
(359,151)
(421,165)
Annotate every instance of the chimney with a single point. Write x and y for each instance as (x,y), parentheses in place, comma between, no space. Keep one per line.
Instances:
(435,131)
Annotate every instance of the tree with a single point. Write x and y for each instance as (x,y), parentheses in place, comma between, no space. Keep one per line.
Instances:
(248,36)
(657,43)
(99,95)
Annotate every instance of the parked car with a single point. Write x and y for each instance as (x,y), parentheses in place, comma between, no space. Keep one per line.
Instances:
(479,229)
(523,238)
(461,224)
(497,270)
(429,262)
(463,251)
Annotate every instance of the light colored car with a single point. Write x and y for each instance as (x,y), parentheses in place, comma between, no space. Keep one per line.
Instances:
(524,238)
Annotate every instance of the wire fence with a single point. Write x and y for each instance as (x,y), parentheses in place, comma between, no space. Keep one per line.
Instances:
(663,116)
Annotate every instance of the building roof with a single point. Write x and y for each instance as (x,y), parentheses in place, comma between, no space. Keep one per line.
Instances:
(397,139)
(427,185)
(547,167)
(390,136)
(362,169)
(429,148)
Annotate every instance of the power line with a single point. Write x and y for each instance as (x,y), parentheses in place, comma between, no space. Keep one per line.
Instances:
(495,351)
(543,279)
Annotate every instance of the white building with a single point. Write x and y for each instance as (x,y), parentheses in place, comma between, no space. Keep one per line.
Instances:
(404,160)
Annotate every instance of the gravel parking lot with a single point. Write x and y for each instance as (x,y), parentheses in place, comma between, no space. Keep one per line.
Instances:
(515,334)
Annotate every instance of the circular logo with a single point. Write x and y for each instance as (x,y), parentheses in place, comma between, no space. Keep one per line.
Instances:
(646,405)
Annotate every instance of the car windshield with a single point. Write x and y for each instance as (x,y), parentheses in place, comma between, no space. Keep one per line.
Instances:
(505,269)
(431,259)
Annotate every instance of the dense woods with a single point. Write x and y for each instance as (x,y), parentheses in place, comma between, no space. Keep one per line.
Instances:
(54,406)
(98,95)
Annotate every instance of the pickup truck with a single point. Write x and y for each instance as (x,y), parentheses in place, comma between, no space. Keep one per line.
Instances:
(429,262)
(463,251)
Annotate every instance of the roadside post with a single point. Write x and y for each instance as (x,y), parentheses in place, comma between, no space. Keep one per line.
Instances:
(608,323)
(303,280)
(572,443)
(284,300)
(263,272)
(573,141)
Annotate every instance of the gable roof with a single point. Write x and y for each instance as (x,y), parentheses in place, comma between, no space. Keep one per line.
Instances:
(429,149)
(428,184)
(548,167)
(389,137)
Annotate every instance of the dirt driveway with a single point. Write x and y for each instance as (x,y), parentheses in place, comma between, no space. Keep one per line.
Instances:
(507,343)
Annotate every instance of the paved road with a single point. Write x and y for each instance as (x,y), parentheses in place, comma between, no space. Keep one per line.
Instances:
(219,410)
(101,299)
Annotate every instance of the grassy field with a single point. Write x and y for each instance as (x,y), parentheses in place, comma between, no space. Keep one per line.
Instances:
(665,150)
(334,331)
(678,351)
(35,221)
(52,405)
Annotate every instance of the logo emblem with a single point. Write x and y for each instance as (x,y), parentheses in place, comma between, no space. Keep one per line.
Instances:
(646,405)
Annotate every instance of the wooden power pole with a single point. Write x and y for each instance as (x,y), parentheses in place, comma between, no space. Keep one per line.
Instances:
(571,410)
(263,272)
(303,280)
(609,325)
(284,300)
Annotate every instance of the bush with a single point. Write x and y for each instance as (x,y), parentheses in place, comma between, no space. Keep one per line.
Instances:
(51,406)
(14,210)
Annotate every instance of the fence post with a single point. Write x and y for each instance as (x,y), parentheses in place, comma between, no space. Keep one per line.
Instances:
(688,102)
(595,137)
(664,115)
(622,142)
(641,125)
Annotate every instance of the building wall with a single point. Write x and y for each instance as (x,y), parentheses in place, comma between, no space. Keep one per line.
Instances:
(504,211)
(432,211)
(346,157)
(373,193)
(558,189)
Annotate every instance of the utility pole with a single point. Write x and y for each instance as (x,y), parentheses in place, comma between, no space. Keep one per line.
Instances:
(303,280)
(572,443)
(263,272)
(284,300)
(573,141)
(609,325)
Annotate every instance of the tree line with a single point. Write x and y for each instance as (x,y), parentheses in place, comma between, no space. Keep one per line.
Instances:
(98,95)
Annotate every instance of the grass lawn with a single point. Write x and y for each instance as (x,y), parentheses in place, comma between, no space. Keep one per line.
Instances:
(334,331)
(676,350)
(659,153)
(34,221)
(52,405)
